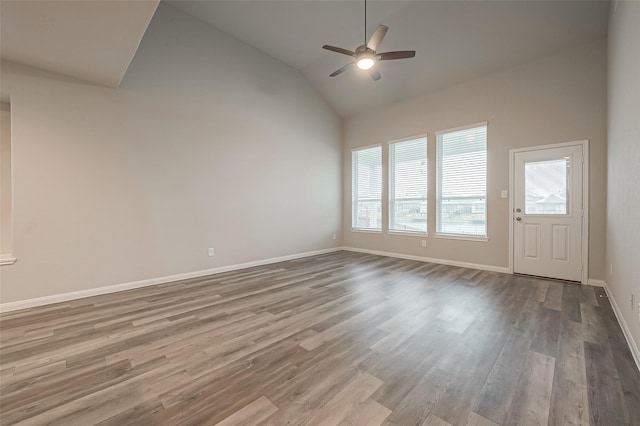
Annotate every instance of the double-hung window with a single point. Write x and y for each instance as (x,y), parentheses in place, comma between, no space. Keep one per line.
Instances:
(367,188)
(6,231)
(462,181)
(408,185)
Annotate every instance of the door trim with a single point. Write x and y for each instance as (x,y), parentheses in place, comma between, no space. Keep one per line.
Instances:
(585,199)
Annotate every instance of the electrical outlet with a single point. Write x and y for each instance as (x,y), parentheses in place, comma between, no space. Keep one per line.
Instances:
(333,236)
(211,252)
(424,243)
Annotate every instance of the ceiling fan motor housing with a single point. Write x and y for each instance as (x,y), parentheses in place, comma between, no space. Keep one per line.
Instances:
(364,49)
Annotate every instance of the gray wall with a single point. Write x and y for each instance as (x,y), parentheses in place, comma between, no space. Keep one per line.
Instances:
(557,99)
(623,182)
(208,143)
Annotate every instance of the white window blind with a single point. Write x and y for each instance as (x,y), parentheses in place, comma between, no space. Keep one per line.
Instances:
(462,181)
(367,188)
(408,185)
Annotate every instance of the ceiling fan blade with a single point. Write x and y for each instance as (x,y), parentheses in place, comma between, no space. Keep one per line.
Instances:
(375,74)
(339,50)
(341,70)
(402,54)
(376,37)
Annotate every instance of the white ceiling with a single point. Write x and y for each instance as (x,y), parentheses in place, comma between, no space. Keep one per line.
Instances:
(93,41)
(455,40)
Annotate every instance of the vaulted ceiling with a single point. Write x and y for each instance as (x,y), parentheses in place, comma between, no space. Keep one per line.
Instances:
(92,41)
(455,40)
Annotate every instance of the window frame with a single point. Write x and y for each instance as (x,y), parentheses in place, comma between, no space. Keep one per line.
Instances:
(568,191)
(354,187)
(6,256)
(391,190)
(453,236)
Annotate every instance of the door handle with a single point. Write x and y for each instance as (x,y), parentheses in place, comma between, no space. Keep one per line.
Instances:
(519,219)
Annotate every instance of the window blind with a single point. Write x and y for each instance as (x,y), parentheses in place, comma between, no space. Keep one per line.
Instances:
(462,181)
(367,188)
(408,185)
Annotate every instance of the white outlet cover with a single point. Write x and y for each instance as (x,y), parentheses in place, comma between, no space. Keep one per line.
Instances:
(424,243)
(504,193)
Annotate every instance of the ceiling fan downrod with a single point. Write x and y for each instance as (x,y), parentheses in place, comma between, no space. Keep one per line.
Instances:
(366,57)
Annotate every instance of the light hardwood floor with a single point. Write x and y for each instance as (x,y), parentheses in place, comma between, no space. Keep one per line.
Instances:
(342,338)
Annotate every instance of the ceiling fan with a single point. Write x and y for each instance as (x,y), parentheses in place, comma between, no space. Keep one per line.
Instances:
(366,56)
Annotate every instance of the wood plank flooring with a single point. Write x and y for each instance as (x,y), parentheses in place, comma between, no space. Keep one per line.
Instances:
(342,338)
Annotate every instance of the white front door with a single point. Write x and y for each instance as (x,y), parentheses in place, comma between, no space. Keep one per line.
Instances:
(548,212)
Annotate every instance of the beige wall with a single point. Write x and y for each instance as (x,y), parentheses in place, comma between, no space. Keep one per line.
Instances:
(5,180)
(208,143)
(557,99)
(623,193)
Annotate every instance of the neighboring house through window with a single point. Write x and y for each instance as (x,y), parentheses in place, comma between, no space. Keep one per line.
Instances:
(408,185)
(462,181)
(367,188)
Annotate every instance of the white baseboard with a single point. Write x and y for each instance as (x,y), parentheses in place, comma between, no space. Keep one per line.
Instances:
(431,260)
(596,283)
(64,297)
(623,324)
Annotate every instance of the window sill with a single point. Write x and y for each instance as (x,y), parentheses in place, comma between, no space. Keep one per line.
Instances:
(6,259)
(462,238)
(367,231)
(408,233)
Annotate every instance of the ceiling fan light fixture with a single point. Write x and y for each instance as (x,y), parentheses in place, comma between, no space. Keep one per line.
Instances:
(366,55)
(365,62)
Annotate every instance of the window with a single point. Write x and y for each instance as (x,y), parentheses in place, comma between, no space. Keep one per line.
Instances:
(6,230)
(367,188)
(462,181)
(545,186)
(408,185)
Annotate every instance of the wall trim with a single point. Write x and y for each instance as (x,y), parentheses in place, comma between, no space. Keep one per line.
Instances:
(64,297)
(7,260)
(596,283)
(623,324)
(431,260)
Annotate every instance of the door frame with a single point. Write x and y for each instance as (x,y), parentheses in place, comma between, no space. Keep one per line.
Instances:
(585,199)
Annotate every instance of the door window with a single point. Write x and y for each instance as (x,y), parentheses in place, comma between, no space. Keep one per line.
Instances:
(545,185)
